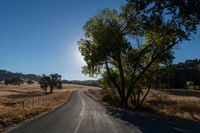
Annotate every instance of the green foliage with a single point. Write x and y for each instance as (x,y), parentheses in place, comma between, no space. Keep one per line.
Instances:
(108,91)
(52,81)
(176,75)
(129,47)
(190,85)
(14,81)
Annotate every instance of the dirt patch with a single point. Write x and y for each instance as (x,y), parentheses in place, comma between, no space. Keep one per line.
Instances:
(95,94)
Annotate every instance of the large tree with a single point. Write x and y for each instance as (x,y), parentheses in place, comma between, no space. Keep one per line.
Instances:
(52,81)
(104,48)
(130,46)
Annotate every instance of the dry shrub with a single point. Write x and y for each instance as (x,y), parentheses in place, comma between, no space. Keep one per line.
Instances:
(158,101)
(186,109)
(180,106)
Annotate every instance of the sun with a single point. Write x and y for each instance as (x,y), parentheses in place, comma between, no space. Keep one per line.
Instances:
(79,57)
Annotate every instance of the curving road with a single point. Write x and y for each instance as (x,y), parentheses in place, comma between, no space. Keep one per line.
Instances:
(82,114)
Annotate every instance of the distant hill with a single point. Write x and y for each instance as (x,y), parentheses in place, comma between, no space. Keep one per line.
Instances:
(4,75)
(85,82)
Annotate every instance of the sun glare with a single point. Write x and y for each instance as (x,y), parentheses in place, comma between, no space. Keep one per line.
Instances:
(79,57)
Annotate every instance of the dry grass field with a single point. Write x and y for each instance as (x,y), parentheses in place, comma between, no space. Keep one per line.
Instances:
(176,102)
(20,103)
(181,103)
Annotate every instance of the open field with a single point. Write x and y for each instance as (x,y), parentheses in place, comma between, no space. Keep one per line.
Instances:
(174,102)
(22,103)
(19,103)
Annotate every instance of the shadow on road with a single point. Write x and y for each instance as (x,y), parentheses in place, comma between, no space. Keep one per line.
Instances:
(148,123)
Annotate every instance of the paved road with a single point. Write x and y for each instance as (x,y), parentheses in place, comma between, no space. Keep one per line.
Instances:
(82,114)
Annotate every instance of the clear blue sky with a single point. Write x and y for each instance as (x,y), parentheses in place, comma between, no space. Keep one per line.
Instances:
(40,36)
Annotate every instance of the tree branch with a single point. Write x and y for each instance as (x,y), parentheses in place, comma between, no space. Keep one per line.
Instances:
(112,79)
(146,68)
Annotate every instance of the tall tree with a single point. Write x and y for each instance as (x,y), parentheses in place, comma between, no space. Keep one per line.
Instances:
(105,47)
(132,45)
(162,25)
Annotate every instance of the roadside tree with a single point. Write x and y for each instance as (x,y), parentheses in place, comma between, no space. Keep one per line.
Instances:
(132,45)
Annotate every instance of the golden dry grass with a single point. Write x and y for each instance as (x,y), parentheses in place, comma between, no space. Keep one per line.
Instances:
(95,94)
(180,103)
(32,106)
(19,103)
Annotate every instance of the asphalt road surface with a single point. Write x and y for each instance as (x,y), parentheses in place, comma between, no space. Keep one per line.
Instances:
(82,114)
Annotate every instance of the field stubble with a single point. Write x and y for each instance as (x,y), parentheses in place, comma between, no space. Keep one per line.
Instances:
(21,103)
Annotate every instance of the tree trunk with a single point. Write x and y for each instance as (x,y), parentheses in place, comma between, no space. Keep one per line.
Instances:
(115,85)
(132,101)
(51,90)
(138,99)
(134,95)
(122,86)
(145,96)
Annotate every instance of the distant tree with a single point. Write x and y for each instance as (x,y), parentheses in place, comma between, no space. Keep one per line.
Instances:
(55,82)
(14,81)
(52,81)
(30,82)
(132,45)
(44,82)
(176,75)
(6,82)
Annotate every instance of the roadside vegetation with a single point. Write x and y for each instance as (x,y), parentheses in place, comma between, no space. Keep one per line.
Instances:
(129,47)
(182,75)
(180,103)
(170,102)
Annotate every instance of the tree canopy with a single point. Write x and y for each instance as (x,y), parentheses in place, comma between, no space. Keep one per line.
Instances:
(130,46)
(14,81)
(52,81)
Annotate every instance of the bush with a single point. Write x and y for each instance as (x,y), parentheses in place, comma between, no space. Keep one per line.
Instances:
(110,96)
(192,86)
(14,81)
(196,87)
(30,82)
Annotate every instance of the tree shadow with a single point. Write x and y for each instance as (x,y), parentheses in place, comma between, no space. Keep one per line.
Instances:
(155,123)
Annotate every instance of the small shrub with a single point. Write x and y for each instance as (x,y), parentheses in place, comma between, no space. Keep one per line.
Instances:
(30,82)
(159,102)
(189,84)
(110,96)
(192,86)
(14,81)
(196,87)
